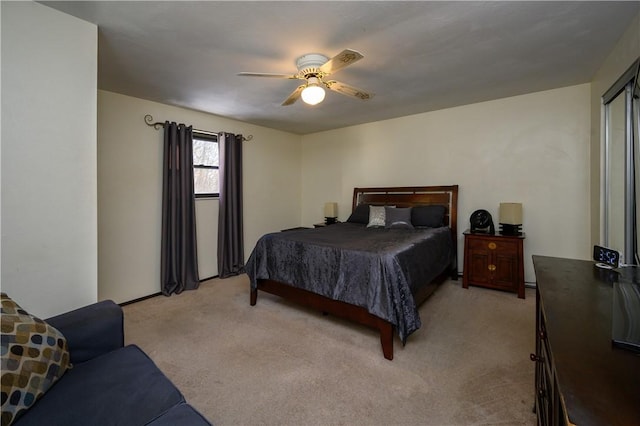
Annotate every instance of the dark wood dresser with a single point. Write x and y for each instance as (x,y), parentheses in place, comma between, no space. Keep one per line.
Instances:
(581,378)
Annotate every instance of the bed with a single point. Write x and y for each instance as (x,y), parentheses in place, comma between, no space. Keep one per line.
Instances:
(375,276)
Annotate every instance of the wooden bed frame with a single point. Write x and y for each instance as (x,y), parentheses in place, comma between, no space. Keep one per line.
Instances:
(406,196)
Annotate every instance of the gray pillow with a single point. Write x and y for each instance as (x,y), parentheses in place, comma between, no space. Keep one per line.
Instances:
(398,218)
(428,216)
(360,214)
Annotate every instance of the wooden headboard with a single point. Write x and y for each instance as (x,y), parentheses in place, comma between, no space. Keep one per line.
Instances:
(409,196)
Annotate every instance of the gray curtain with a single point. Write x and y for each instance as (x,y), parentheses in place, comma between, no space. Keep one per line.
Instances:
(179,258)
(230,245)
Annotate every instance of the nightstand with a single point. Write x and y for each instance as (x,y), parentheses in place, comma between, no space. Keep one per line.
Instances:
(323,224)
(494,261)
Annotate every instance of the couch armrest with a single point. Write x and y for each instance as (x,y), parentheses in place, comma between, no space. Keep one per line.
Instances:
(92,330)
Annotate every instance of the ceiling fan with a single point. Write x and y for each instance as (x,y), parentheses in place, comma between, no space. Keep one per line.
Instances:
(314,68)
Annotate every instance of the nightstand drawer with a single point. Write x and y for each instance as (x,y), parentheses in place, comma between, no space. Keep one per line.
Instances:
(490,244)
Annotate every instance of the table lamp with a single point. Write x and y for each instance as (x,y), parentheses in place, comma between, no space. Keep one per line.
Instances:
(330,213)
(510,218)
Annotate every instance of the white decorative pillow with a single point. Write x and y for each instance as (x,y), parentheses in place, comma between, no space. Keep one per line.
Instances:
(377,216)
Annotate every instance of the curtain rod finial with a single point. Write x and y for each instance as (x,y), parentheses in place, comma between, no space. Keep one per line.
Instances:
(148,119)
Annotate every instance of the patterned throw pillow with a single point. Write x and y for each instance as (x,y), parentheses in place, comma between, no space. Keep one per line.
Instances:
(34,355)
(376,216)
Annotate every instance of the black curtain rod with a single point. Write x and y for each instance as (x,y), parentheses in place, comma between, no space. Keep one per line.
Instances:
(148,119)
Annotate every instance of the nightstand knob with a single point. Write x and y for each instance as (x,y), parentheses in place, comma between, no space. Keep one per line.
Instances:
(492,267)
(492,246)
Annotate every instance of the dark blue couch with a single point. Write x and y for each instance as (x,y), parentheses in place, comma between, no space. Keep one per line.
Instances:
(109,384)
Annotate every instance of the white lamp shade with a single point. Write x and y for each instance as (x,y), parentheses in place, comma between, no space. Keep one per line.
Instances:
(313,95)
(511,213)
(330,209)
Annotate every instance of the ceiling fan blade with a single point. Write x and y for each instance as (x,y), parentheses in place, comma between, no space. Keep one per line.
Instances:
(267,74)
(348,90)
(294,96)
(341,60)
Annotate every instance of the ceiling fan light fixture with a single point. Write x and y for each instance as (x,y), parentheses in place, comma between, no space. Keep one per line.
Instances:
(313,68)
(313,94)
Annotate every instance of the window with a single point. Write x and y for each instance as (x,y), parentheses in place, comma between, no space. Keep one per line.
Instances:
(206,161)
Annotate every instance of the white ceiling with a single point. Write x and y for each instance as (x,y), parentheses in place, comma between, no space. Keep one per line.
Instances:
(418,56)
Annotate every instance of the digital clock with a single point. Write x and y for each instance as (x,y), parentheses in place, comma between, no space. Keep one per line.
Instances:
(606,257)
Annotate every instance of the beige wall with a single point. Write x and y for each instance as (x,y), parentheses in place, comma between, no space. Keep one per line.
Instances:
(532,149)
(625,52)
(49,228)
(130,197)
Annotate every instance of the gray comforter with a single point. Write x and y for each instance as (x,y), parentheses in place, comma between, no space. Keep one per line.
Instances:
(375,268)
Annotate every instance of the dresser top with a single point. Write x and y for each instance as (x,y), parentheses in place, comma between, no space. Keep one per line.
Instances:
(600,383)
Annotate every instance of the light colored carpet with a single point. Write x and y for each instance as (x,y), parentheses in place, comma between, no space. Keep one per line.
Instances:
(280,364)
